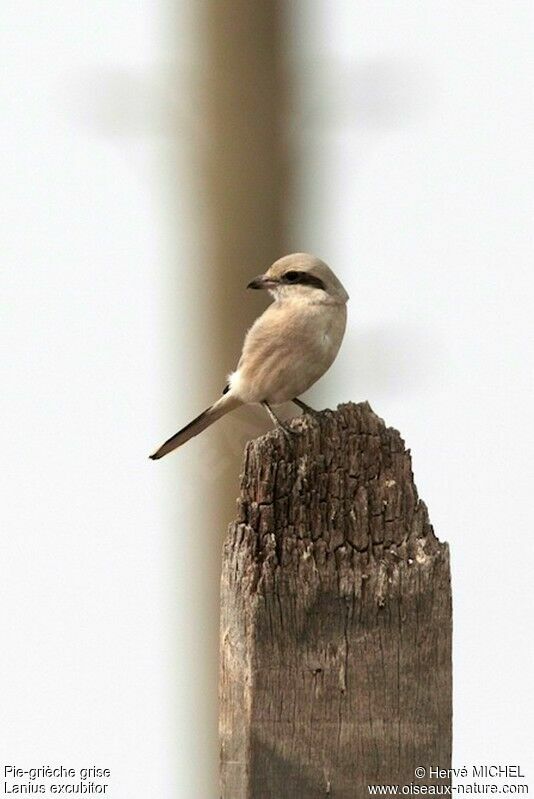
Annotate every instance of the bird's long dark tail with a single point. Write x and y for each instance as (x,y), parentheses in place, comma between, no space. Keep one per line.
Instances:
(223,406)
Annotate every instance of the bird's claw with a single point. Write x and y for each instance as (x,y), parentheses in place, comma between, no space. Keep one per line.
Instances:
(290,432)
(305,408)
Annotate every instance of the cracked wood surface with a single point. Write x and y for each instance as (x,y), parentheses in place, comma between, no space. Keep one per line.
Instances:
(335,619)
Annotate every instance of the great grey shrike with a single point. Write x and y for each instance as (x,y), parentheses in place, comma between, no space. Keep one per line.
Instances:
(288,348)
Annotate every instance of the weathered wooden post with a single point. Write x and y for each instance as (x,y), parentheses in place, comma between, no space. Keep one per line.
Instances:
(336,617)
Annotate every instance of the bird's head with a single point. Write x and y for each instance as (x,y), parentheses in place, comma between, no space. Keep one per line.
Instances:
(301,276)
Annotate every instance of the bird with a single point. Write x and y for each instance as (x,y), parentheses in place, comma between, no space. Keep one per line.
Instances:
(287,349)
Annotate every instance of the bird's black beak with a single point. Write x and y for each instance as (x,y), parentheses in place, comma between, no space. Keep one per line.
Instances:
(262,282)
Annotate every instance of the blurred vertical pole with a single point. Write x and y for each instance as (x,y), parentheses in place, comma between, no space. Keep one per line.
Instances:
(233,207)
(244,164)
(244,184)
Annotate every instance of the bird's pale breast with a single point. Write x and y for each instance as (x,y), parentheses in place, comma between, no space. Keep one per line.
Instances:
(287,350)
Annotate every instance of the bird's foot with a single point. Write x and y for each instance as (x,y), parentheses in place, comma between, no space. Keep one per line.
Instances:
(289,432)
(304,407)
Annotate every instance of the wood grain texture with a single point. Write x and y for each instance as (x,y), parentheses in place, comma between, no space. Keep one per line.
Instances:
(336,617)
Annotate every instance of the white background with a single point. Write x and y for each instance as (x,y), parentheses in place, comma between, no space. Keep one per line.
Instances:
(412,128)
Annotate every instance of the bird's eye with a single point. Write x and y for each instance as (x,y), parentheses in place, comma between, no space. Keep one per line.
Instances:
(292,277)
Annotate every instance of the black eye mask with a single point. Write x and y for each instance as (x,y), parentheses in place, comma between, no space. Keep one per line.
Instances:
(302,279)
